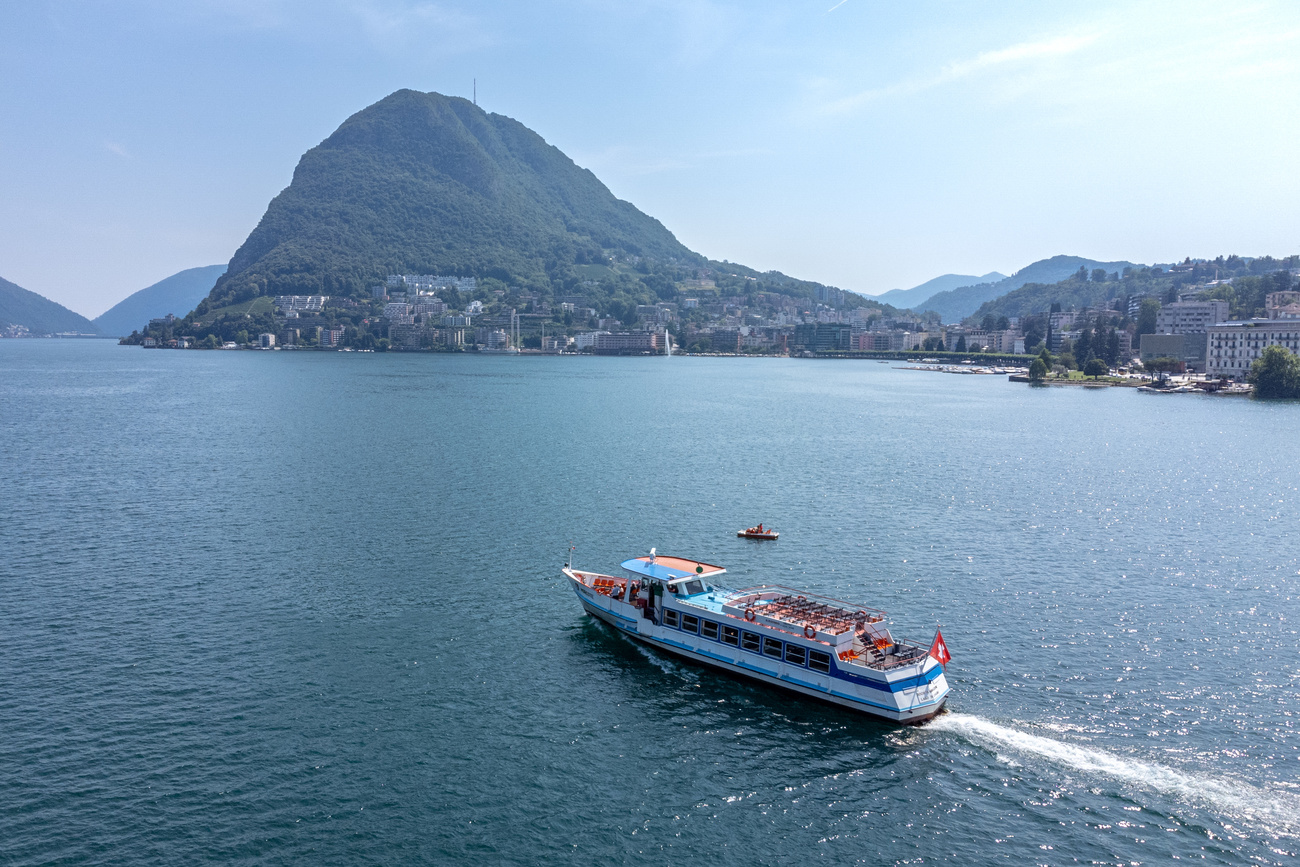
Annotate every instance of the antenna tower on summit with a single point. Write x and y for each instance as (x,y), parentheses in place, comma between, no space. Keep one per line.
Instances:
(476,91)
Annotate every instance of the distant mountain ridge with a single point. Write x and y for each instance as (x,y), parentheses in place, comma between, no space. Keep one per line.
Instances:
(905,298)
(176,294)
(955,305)
(38,314)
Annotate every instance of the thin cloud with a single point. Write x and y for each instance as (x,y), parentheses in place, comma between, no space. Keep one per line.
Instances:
(836,6)
(115,148)
(1058,47)
(1019,53)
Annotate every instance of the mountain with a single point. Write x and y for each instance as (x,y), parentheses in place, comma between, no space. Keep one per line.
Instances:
(432,184)
(176,294)
(38,314)
(903,298)
(955,305)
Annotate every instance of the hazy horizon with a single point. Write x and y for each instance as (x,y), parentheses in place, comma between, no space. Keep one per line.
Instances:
(858,145)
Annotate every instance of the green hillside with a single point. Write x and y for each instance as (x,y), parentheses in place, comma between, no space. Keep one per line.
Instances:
(431,184)
(1242,282)
(38,314)
(421,183)
(956,304)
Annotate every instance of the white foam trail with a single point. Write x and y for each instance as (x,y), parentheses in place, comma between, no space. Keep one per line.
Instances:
(1279,810)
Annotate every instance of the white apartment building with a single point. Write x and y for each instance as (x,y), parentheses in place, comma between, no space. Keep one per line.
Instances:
(587,340)
(1233,346)
(1190,317)
(301,303)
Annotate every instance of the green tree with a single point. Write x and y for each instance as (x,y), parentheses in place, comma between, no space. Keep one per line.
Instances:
(1099,275)
(1095,368)
(989,322)
(1276,374)
(961,343)
(1146,320)
(1162,366)
(1112,347)
(1083,349)
(1046,357)
(1037,369)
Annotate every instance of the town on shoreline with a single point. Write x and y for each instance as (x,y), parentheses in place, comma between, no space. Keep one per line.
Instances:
(1131,340)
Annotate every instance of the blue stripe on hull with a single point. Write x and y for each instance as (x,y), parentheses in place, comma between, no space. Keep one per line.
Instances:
(912,714)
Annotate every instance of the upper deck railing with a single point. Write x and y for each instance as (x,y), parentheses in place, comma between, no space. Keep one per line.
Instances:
(824,613)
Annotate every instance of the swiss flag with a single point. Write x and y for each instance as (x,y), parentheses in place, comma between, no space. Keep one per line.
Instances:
(939,650)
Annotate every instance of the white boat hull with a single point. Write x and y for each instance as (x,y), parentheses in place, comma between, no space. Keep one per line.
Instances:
(908,696)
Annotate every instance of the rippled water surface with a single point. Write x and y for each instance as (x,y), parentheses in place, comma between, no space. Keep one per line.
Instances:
(305,608)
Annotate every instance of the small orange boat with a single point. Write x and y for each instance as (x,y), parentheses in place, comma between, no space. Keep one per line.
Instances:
(758,533)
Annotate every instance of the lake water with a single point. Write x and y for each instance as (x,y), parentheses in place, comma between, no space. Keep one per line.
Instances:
(304,608)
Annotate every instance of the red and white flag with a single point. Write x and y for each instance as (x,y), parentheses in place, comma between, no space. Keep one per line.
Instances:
(939,650)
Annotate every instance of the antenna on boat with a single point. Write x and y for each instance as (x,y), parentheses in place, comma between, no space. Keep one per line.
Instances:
(569,565)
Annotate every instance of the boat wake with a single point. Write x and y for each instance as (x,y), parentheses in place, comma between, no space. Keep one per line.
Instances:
(1279,812)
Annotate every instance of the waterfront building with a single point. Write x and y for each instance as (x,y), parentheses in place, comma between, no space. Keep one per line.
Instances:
(331,338)
(870,341)
(725,339)
(1231,347)
(627,342)
(1187,348)
(266,341)
(587,341)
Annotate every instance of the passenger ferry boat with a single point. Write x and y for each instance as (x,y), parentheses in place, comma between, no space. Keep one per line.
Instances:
(812,645)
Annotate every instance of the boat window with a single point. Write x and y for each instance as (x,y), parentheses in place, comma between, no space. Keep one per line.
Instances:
(819,661)
(794,653)
(670,617)
(730,635)
(693,587)
(749,641)
(771,647)
(709,629)
(690,623)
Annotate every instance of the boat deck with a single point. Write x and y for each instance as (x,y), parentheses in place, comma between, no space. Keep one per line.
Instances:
(856,634)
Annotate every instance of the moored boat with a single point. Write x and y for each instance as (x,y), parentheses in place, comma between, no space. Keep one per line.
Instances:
(812,645)
(758,533)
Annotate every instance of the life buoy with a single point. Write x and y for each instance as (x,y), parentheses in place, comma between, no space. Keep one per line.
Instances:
(809,631)
(750,616)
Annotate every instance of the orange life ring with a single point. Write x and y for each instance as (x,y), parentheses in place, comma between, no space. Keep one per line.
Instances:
(808,631)
(750,616)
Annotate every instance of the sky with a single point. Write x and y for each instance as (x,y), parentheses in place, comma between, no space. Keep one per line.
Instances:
(868,145)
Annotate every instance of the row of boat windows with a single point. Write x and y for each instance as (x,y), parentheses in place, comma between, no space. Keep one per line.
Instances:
(754,643)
